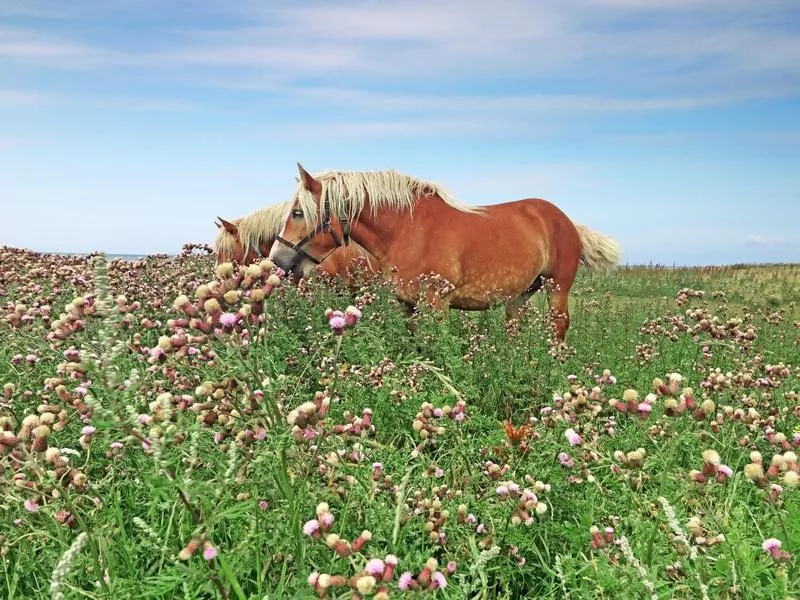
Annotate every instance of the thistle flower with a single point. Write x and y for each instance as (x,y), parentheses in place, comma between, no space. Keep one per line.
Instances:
(770,543)
(351,316)
(362,539)
(572,437)
(228,320)
(338,545)
(438,580)
(212,307)
(754,472)
(311,528)
(225,270)
(337,324)
(375,567)
(406,581)
(365,584)
(791,479)
(772,546)
(391,562)
(425,575)
(209,551)
(644,409)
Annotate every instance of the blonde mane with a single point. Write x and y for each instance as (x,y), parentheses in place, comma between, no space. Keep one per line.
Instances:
(257,227)
(348,191)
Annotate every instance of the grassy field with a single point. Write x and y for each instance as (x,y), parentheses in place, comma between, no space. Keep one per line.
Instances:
(282,452)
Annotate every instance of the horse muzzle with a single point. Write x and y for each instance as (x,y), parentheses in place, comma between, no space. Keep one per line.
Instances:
(289,261)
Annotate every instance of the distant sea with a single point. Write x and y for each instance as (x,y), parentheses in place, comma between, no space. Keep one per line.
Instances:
(111,256)
(126,256)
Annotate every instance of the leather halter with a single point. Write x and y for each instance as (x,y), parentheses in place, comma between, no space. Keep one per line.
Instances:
(324,227)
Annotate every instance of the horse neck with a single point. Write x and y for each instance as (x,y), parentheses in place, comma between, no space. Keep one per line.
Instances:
(379,234)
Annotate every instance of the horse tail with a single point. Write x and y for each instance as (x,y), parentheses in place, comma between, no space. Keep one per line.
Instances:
(599,252)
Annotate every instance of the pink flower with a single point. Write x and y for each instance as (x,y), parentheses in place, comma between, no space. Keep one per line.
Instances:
(31,505)
(311,527)
(772,546)
(440,580)
(351,316)
(451,567)
(572,437)
(405,580)
(375,567)
(229,320)
(644,409)
(209,553)
(564,459)
(88,430)
(724,470)
(337,324)
(263,505)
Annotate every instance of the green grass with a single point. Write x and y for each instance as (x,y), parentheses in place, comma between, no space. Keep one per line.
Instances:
(199,447)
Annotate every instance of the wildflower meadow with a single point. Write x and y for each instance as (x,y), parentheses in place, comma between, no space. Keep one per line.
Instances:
(170,428)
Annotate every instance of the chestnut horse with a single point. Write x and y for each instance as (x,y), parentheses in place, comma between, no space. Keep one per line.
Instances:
(487,254)
(257,231)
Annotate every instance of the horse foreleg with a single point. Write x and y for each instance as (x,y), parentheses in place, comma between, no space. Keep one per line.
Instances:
(560,313)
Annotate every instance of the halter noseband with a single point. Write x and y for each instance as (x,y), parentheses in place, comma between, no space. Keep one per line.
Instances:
(325,227)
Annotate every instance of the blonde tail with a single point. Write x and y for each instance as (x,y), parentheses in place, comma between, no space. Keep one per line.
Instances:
(600,252)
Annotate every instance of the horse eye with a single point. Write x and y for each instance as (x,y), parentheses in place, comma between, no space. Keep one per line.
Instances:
(297,213)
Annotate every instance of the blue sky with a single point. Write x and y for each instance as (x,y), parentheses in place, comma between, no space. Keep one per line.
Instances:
(674,125)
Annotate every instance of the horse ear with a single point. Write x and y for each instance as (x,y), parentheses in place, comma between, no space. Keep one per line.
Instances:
(311,184)
(229,227)
(219,225)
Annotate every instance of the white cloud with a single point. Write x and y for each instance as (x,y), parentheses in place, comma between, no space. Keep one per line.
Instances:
(23,97)
(370,56)
(384,129)
(763,240)
(423,39)
(30,46)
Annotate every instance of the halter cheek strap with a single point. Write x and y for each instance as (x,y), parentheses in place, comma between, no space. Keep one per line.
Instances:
(324,227)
